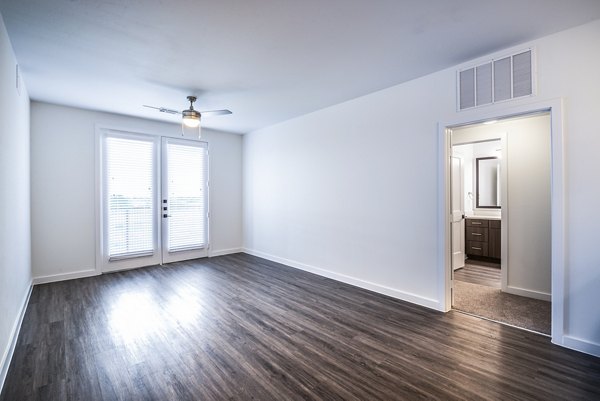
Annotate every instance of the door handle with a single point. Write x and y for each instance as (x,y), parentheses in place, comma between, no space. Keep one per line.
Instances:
(166,215)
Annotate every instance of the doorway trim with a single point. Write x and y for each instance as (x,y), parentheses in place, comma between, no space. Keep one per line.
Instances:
(555,108)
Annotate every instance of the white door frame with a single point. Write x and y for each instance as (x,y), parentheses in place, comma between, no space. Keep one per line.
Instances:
(101,263)
(555,108)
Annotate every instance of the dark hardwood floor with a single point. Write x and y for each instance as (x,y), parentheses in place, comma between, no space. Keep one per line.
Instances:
(240,327)
(479,272)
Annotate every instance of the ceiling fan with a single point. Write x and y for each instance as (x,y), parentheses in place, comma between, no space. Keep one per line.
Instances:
(190,117)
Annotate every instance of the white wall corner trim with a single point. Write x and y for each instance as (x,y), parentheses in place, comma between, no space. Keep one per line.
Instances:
(221,252)
(381,289)
(580,345)
(65,276)
(14,335)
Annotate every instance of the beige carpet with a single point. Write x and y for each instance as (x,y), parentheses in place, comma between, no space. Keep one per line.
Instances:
(492,303)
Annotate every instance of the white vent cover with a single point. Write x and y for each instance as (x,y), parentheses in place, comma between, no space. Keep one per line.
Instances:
(496,80)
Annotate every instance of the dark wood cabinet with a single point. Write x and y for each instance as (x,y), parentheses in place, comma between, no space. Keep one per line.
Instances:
(494,245)
(482,238)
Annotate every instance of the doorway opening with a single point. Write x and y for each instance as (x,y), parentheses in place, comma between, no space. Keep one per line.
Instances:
(503,235)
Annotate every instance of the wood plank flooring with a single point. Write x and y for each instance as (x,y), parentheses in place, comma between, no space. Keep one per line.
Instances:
(241,327)
(479,272)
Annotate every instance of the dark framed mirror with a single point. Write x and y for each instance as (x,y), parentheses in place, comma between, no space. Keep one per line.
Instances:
(487,182)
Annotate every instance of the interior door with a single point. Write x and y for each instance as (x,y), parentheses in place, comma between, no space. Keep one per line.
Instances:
(458,211)
(184,203)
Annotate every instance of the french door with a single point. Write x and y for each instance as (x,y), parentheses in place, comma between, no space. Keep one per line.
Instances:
(184,207)
(154,200)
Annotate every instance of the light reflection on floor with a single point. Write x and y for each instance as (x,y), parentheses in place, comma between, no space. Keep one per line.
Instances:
(133,316)
(138,316)
(184,308)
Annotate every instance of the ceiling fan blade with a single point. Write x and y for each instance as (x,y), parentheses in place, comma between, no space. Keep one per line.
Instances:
(215,113)
(163,109)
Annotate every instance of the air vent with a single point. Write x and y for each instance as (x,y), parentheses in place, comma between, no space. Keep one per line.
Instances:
(496,81)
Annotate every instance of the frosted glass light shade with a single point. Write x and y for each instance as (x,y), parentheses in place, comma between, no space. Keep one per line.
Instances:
(191,131)
(190,121)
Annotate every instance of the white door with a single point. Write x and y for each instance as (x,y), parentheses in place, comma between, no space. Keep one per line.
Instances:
(153,200)
(458,212)
(184,203)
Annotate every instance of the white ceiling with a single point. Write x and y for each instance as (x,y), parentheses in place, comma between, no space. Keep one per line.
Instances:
(266,60)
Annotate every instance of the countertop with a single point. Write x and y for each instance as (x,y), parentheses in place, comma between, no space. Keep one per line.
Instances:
(484,217)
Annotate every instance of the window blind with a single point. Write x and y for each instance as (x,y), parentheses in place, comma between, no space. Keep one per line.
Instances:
(129,193)
(186,186)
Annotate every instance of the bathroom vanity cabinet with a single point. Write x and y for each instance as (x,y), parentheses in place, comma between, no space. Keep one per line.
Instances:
(482,237)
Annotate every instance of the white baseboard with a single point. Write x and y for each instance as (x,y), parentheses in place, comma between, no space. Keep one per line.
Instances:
(90,273)
(392,292)
(221,252)
(14,335)
(544,296)
(580,345)
(65,276)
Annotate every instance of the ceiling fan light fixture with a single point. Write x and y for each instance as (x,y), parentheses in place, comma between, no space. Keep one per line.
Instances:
(190,121)
(191,118)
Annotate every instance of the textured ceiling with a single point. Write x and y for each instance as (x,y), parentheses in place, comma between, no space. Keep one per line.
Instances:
(266,60)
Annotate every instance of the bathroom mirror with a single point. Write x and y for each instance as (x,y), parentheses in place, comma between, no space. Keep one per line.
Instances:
(487,182)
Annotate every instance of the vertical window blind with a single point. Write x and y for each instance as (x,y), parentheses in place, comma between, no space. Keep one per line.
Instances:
(129,197)
(186,186)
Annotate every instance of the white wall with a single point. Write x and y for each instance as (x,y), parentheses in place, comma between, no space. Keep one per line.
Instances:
(352,189)
(15,231)
(528,214)
(63,186)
